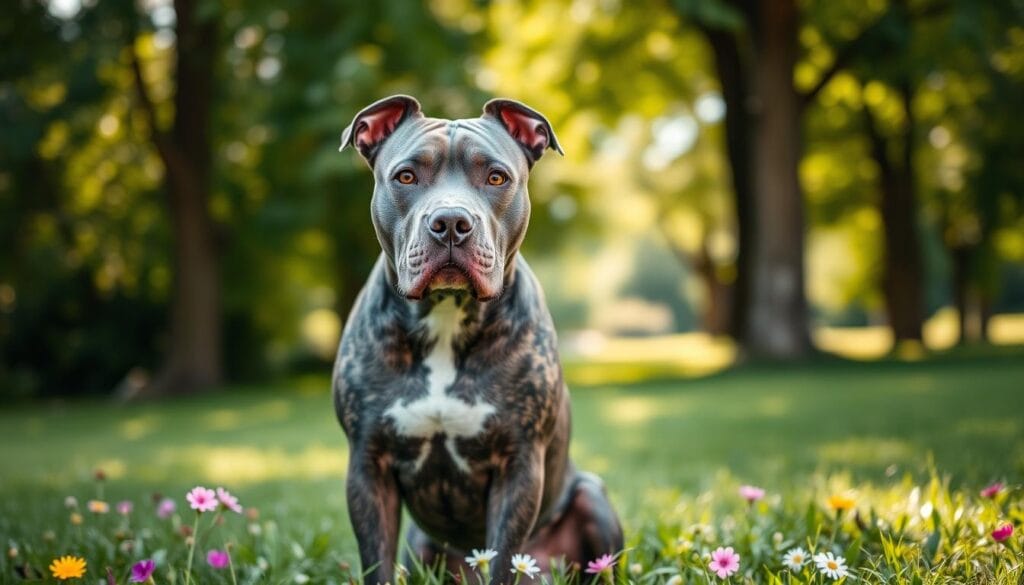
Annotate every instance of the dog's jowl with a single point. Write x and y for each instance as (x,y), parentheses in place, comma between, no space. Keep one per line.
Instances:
(447,381)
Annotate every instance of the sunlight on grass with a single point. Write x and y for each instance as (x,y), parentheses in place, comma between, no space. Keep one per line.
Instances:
(240,465)
(138,427)
(940,333)
(876,451)
(592,358)
(1007,329)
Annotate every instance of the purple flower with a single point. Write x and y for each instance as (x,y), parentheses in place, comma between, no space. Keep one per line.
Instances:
(1003,532)
(992,490)
(125,507)
(202,499)
(142,570)
(751,493)
(166,508)
(218,559)
(228,501)
(601,564)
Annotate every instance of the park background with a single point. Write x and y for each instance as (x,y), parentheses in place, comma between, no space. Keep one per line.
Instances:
(785,244)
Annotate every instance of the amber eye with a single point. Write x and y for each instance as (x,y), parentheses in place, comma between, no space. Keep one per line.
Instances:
(406,177)
(497,178)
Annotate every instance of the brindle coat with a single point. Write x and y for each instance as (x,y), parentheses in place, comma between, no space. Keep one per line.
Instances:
(488,467)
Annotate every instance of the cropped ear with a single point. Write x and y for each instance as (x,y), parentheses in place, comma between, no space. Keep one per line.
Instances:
(376,122)
(527,126)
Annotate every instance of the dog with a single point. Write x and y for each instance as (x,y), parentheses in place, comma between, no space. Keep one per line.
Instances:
(447,381)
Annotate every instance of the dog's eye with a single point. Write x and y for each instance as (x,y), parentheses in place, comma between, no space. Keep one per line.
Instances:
(406,177)
(497,178)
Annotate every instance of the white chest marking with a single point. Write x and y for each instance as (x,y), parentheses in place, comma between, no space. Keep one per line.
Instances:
(438,413)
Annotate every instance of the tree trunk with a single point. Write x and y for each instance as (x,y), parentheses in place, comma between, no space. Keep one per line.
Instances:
(778,326)
(961,256)
(733,78)
(717,315)
(194,359)
(902,279)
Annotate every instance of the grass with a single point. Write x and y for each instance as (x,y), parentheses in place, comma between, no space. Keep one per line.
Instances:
(913,442)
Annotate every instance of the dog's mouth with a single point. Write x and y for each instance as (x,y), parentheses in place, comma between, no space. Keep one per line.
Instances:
(444,277)
(449,277)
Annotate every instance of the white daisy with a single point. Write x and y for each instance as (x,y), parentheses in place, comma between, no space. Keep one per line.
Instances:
(525,564)
(795,559)
(831,565)
(481,559)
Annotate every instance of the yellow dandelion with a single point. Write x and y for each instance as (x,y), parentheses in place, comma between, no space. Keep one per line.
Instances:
(840,502)
(76,518)
(98,507)
(68,567)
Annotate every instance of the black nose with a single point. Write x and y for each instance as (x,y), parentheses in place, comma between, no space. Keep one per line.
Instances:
(450,224)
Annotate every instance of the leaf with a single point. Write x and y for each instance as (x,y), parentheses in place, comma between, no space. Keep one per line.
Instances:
(931,546)
(318,548)
(853,551)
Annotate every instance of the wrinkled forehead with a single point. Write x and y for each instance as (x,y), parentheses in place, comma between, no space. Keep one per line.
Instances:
(432,141)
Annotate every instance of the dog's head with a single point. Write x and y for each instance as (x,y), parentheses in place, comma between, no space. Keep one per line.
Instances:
(450,205)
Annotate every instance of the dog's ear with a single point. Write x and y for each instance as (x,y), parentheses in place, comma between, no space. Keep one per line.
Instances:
(527,126)
(376,122)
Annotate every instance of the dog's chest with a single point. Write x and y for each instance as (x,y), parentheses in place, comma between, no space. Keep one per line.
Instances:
(437,413)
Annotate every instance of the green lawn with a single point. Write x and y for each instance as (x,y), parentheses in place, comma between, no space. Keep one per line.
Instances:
(798,432)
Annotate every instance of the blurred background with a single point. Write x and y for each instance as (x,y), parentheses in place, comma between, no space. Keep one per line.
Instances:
(764,181)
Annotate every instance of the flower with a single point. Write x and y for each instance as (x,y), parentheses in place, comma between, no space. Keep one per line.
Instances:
(481,559)
(71,502)
(751,493)
(676,579)
(202,499)
(992,490)
(795,559)
(218,559)
(228,501)
(840,502)
(68,567)
(98,506)
(831,565)
(166,508)
(76,518)
(525,564)
(142,570)
(124,508)
(724,562)
(635,569)
(301,578)
(601,564)
(1003,532)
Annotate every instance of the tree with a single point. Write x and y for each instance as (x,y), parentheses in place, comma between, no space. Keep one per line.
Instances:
(194,359)
(755,50)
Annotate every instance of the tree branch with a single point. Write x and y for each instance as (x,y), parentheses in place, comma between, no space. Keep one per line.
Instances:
(170,154)
(850,50)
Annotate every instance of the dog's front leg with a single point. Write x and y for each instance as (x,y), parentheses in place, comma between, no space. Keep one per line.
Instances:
(512,507)
(375,511)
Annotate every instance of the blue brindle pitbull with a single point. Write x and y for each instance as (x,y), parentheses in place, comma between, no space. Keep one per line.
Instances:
(447,381)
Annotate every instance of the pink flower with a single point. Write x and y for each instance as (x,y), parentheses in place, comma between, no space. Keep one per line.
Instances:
(125,507)
(1003,532)
(230,502)
(992,490)
(142,570)
(601,564)
(202,499)
(751,493)
(218,559)
(165,508)
(724,562)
